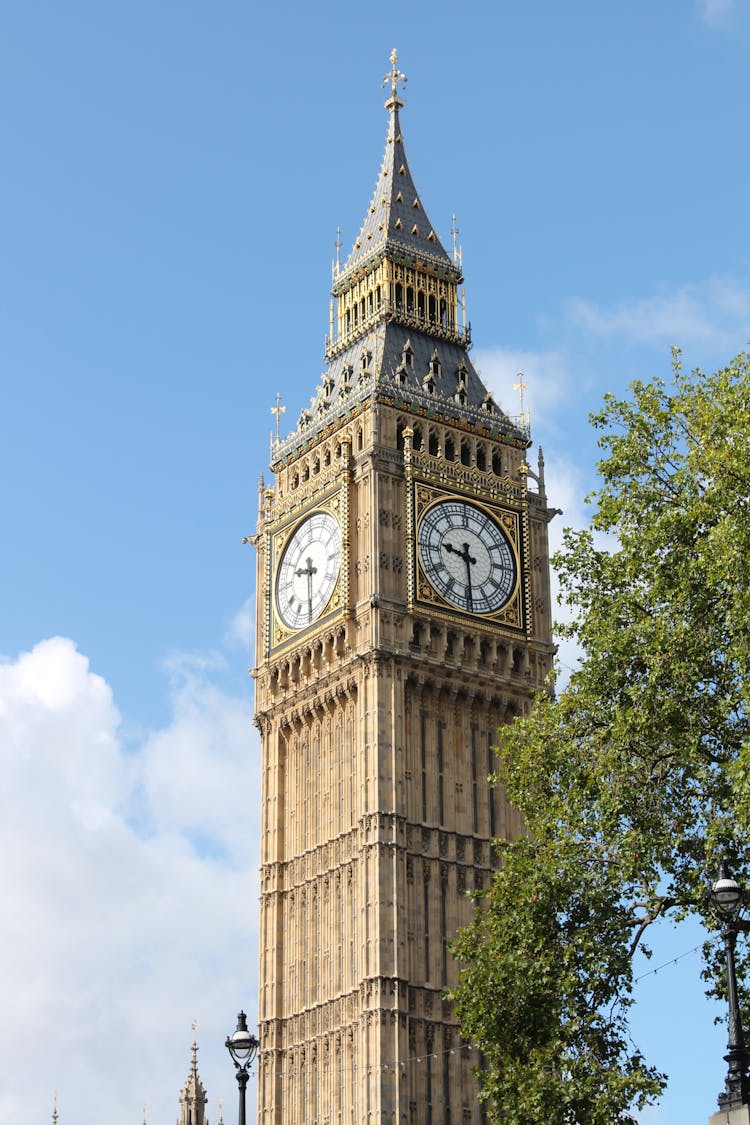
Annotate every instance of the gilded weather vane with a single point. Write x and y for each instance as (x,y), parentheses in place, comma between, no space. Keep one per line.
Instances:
(394,76)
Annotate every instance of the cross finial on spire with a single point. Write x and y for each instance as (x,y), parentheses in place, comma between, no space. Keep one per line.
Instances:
(454,232)
(394,76)
(337,245)
(522,386)
(278,410)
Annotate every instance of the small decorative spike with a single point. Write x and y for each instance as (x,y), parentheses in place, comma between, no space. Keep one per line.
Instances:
(54,1111)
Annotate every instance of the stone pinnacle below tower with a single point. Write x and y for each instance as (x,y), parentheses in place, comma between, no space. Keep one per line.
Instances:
(193,1095)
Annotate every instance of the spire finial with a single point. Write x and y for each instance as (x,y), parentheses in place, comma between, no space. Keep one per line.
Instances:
(278,410)
(337,245)
(394,76)
(522,386)
(54,1111)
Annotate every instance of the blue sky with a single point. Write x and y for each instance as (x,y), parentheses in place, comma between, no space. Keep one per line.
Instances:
(173,178)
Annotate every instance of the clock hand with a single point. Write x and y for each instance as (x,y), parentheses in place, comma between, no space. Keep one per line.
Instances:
(309,570)
(469,560)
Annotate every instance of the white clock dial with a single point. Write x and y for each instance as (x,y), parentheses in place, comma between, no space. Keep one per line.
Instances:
(466,556)
(308,570)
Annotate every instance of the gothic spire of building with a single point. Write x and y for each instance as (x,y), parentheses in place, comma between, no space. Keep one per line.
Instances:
(398,318)
(193,1095)
(396,218)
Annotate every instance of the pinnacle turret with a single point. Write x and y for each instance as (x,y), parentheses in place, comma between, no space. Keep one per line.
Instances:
(193,1095)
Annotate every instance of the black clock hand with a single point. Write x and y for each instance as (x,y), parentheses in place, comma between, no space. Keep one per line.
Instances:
(309,571)
(469,560)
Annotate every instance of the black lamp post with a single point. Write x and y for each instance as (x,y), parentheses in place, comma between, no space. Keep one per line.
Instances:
(243,1047)
(727,899)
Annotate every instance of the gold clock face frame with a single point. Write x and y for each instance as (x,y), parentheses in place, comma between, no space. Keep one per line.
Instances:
(309,564)
(468,557)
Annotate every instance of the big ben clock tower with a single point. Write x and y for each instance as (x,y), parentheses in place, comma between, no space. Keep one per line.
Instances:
(403,613)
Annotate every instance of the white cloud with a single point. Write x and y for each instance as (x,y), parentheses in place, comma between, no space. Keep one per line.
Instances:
(715,313)
(716,13)
(240,632)
(563,476)
(129,890)
(546,373)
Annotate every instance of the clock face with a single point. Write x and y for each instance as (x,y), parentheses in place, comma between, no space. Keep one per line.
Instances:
(466,556)
(308,570)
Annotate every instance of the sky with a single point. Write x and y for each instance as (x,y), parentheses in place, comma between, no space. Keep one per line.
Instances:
(173,176)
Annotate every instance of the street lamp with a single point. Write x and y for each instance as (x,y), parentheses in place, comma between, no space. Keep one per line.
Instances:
(727,899)
(243,1047)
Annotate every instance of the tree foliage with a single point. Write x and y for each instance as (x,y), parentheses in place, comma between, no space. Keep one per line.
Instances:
(635,780)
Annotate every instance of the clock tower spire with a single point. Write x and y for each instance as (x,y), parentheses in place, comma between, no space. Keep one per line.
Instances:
(403,613)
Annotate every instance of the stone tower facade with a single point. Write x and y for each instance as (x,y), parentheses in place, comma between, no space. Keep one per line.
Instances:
(403,613)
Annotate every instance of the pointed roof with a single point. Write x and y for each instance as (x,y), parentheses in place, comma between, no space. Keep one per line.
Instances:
(193,1094)
(396,216)
(407,355)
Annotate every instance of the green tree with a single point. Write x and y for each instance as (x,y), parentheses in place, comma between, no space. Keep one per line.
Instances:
(635,780)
